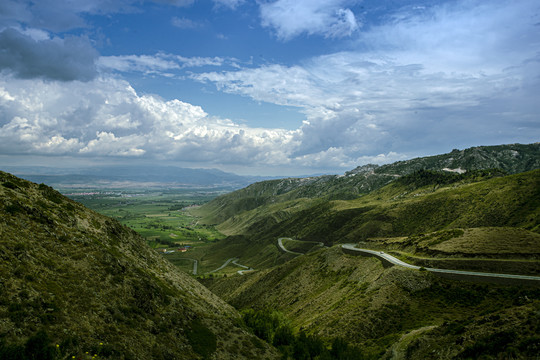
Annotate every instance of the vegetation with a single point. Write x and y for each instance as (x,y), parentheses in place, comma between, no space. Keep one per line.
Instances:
(499,218)
(161,217)
(484,219)
(511,159)
(74,281)
(274,328)
(383,311)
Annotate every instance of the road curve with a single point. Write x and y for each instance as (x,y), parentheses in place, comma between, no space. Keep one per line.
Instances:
(195,263)
(247,268)
(224,265)
(282,247)
(395,261)
(280,244)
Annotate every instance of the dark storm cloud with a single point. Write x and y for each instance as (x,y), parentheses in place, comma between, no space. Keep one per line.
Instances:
(72,58)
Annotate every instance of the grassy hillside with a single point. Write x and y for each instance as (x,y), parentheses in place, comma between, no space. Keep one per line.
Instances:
(392,313)
(409,207)
(512,159)
(75,283)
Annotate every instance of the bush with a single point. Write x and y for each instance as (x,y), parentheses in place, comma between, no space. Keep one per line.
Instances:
(202,340)
(39,347)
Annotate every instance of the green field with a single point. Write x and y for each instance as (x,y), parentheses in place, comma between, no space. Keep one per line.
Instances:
(161,217)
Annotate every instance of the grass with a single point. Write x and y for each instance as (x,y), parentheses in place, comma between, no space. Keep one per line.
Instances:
(162,218)
(334,295)
(83,279)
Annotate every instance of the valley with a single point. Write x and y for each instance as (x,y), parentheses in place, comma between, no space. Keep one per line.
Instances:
(452,268)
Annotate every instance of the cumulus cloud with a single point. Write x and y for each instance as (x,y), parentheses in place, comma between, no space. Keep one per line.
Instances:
(106,117)
(291,18)
(66,59)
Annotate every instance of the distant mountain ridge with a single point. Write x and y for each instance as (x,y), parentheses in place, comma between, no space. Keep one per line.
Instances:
(513,158)
(125,175)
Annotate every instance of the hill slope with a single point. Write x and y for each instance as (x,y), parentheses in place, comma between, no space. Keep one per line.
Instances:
(392,313)
(410,208)
(71,277)
(511,159)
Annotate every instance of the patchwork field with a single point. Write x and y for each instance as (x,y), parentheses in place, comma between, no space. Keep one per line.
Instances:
(161,217)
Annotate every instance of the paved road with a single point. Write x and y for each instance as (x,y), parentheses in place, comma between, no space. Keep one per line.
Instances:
(398,262)
(235,262)
(247,268)
(195,264)
(224,265)
(280,244)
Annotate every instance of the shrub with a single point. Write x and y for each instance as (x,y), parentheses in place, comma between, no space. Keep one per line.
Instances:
(202,340)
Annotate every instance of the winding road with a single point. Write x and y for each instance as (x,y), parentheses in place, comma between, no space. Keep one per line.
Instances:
(280,245)
(235,262)
(395,261)
(389,259)
(223,266)
(241,272)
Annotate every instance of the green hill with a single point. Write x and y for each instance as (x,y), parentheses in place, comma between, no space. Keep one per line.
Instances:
(420,203)
(512,159)
(392,313)
(76,284)
(484,219)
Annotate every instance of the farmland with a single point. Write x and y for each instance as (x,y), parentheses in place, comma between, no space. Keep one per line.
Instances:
(160,216)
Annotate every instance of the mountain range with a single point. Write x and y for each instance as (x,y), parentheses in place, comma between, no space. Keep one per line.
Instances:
(451,211)
(126,176)
(74,283)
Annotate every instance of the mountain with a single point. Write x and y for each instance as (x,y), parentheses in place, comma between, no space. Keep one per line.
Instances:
(74,283)
(415,204)
(391,312)
(137,176)
(481,220)
(511,159)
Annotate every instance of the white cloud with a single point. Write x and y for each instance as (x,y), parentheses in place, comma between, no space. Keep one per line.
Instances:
(292,18)
(448,76)
(106,117)
(160,63)
(108,144)
(231,4)
(184,23)
(444,77)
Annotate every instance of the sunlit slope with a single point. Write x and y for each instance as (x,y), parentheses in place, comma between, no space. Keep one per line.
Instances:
(73,278)
(405,209)
(511,159)
(402,208)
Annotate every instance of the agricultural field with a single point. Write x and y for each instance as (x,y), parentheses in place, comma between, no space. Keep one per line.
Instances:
(162,217)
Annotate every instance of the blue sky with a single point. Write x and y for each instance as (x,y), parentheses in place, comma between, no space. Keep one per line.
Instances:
(267,87)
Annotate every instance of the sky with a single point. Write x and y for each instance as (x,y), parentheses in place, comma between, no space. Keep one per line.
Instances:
(264,87)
